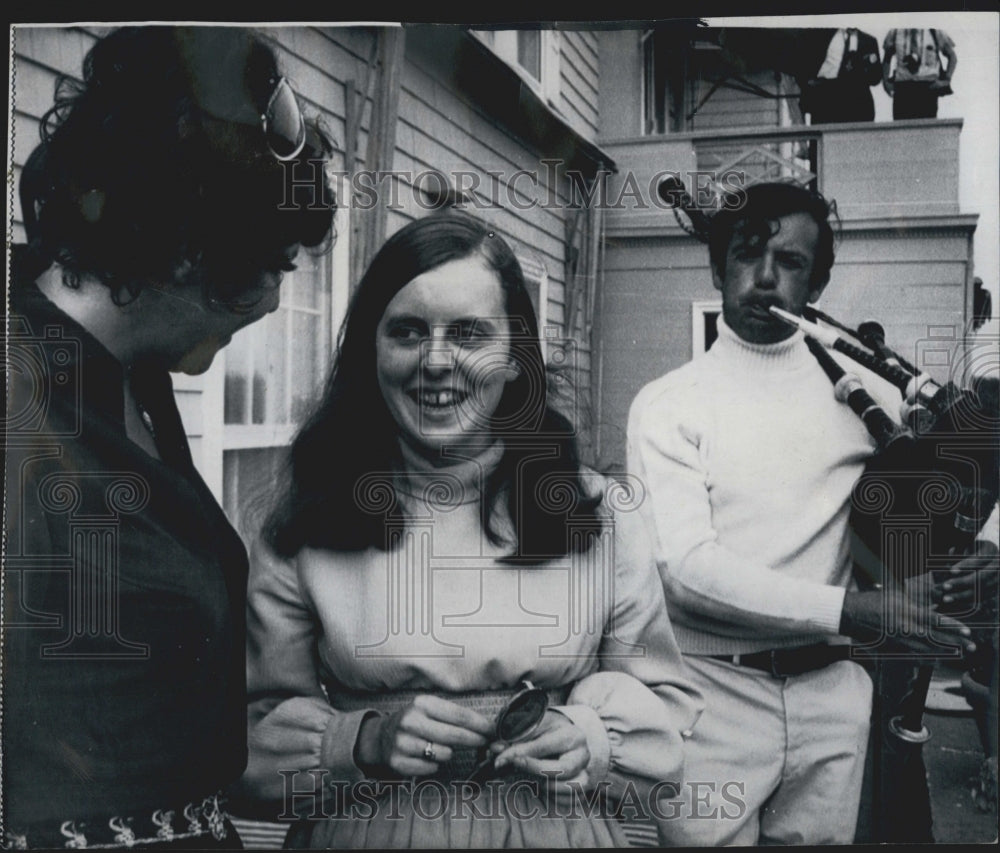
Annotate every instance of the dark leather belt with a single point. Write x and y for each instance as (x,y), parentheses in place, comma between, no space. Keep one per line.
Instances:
(798,660)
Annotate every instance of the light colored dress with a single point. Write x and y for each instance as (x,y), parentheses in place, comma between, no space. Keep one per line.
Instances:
(438,613)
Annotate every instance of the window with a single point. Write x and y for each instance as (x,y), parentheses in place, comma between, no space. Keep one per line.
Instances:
(272,367)
(665,66)
(536,279)
(263,384)
(559,352)
(529,52)
(704,325)
(274,372)
(534,54)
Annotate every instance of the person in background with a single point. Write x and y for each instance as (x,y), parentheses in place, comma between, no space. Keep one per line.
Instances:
(917,78)
(438,554)
(155,231)
(841,88)
(982,304)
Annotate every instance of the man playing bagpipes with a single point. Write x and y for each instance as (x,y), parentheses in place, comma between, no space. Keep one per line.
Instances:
(750,462)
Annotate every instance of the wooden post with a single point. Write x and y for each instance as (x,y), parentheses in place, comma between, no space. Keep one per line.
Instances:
(384,69)
(370,225)
(393,43)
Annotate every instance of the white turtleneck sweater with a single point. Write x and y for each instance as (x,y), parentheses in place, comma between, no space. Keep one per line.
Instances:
(749,462)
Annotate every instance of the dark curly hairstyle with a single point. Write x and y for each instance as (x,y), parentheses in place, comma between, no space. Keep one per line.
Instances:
(352,434)
(156,167)
(754,216)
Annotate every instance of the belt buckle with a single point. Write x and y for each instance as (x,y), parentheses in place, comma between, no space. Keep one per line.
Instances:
(775,671)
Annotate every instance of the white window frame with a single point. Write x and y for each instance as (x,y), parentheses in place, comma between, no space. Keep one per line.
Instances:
(699,309)
(644,85)
(504,44)
(534,272)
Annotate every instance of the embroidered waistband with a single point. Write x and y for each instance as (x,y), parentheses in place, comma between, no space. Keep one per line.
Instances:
(193,820)
(487,702)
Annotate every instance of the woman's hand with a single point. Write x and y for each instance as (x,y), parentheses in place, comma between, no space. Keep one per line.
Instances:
(414,741)
(557,746)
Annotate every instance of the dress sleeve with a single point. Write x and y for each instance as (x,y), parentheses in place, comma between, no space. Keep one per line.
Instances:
(291,724)
(639,706)
(698,572)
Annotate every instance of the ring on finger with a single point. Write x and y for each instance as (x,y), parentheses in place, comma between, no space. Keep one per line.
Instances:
(429,751)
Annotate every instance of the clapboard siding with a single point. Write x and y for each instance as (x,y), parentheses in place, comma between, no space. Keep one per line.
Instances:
(59,48)
(578,91)
(35,86)
(25,140)
(582,47)
(730,109)
(469,139)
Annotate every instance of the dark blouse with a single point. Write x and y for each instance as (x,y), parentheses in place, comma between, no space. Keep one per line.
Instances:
(124,592)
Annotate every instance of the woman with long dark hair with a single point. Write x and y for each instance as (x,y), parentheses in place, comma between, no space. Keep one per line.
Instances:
(155,230)
(449,617)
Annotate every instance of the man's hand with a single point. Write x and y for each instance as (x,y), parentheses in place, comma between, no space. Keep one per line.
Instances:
(904,620)
(887,83)
(972,584)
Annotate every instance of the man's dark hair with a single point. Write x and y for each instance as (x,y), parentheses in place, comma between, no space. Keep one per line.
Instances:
(755,220)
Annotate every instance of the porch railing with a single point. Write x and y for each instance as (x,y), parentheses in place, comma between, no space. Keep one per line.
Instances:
(876,171)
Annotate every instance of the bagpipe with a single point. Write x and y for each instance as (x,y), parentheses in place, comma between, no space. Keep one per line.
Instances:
(919,506)
(923,499)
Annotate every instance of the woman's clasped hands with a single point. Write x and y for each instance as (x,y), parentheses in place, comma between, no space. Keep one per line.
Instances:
(418,739)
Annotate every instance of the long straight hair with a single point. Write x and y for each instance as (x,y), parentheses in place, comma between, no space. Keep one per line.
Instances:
(351,434)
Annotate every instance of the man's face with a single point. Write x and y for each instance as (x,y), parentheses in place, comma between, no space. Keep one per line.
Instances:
(777,272)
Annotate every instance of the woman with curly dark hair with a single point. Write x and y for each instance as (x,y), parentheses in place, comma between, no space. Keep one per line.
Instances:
(452,623)
(157,225)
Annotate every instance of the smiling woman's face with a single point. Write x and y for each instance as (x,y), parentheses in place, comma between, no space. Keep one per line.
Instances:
(443,356)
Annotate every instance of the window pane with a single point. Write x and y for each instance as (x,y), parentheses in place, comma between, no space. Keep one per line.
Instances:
(529,52)
(248,486)
(238,365)
(271,371)
(263,358)
(305,363)
(303,286)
